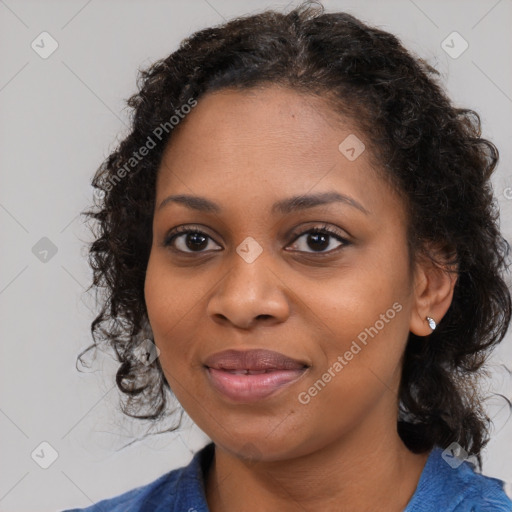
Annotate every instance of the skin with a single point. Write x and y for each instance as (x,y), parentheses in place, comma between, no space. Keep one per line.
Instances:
(245,150)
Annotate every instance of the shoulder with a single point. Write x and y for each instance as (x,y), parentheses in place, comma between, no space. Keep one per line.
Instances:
(479,493)
(140,498)
(455,486)
(180,489)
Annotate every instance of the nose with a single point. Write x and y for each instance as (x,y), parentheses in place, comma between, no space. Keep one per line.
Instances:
(250,293)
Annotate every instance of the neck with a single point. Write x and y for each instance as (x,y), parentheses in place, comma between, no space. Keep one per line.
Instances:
(379,473)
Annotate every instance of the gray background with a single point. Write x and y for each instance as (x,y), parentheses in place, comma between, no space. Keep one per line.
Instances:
(59,117)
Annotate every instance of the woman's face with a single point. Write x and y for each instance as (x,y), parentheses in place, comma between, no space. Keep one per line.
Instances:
(338,303)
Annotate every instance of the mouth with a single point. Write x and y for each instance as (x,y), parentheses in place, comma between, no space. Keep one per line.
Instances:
(249,376)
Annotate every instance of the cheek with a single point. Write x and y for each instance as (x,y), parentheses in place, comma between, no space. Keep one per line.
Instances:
(164,315)
(166,307)
(362,299)
(176,313)
(367,336)
(361,360)
(158,299)
(367,312)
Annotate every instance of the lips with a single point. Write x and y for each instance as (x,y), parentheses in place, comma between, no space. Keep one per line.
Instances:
(247,376)
(252,360)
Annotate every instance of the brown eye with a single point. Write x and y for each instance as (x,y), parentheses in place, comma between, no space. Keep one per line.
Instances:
(188,240)
(319,239)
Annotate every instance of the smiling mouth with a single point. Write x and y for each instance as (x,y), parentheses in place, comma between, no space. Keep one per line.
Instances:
(249,376)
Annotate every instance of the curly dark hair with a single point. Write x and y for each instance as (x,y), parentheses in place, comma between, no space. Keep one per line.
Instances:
(428,149)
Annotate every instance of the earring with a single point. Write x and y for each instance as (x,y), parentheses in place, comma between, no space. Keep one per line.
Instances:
(431,322)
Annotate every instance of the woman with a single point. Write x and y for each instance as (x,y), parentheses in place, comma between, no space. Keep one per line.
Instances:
(304,225)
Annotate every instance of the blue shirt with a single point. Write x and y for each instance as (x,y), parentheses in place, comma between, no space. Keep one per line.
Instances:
(441,488)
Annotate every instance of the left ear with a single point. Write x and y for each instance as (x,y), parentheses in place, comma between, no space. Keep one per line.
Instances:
(433,292)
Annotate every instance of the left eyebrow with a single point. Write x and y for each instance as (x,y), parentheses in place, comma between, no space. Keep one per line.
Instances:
(284,206)
(297,203)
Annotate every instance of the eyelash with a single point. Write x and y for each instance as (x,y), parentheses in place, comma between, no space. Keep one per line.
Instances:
(324,229)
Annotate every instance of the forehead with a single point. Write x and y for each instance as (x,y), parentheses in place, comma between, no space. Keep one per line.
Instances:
(269,119)
(263,143)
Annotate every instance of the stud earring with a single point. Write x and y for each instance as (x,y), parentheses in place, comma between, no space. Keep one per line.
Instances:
(431,322)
